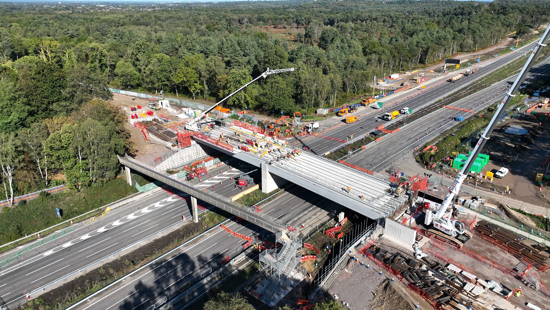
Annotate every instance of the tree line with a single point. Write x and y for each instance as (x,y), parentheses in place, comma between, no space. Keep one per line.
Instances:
(57,62)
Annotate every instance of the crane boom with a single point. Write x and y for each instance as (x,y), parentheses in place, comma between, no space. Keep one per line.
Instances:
(455,189)
(193,124)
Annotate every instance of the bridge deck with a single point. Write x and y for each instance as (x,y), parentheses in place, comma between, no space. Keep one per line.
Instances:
(326,178)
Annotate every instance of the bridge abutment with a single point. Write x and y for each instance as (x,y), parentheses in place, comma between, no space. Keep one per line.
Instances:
(270,182)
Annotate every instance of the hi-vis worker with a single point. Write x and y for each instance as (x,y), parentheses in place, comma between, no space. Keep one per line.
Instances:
(348,189)
(519,291)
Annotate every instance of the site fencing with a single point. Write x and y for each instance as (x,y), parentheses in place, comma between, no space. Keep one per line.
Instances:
(347,241)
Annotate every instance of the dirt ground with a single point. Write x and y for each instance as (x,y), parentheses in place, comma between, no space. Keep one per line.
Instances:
(388,298)
(527,154)
(146,151)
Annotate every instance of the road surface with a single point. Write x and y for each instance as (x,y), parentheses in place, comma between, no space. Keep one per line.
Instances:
(366,124)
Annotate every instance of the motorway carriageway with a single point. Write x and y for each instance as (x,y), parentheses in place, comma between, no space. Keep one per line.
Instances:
(223,175)
(203,255)
(378,155)
(367,123)
(85,245)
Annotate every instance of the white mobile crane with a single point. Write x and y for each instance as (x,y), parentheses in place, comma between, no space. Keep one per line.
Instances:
(194,124)
(441,219)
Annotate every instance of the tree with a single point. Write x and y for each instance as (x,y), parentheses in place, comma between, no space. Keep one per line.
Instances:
(236,80)
(188,78)
(32,142)
(227,301)
(127,75)
(83,85)
(278,95)
(9,160)
(331,305)
(6,45)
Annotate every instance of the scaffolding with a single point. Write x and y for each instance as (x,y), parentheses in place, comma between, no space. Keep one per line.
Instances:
(278,264)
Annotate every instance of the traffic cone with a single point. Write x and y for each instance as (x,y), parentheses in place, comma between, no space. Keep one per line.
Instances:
(220,182)
(71,222)
(38,235)
(28,296)
(213,187)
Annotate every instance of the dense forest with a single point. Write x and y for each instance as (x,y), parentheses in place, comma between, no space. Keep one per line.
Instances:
(58,60)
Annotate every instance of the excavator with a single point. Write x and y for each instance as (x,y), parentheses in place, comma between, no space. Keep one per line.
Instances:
(282,120)
(441,220)
(194,125)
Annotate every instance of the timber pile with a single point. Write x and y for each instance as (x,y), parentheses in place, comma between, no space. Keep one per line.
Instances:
(512,243)
(443,285)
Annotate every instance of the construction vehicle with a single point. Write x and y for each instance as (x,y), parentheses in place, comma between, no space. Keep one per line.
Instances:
(351,119)
(343,112)
(154,105)
(367,101)
(194,125)
(244,180)
(456,78)
(405,110)
(281,120)
(312,126)
(390,116)
(470,71)
(444,225)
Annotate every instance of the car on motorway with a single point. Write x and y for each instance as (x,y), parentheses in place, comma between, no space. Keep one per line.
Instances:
(501,172)
(405,110)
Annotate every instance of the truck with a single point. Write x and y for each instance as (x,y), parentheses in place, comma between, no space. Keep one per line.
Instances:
(390,116)
(470,71)
(312,126)
(405,110)
(350,119)
(367,101)
(456,77)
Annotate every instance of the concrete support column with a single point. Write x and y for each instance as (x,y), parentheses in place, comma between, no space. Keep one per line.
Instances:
(128,175)
(194,209)
(270,182)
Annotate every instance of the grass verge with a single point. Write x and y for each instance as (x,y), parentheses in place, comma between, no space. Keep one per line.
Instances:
(35,215)
(256,196)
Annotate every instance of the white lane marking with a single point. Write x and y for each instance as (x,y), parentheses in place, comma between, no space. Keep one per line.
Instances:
(132,216)
(50,252)
(176,216)
(146,210)
(112,245)
(6,294)
(140,304)
(102,229)
(49,274)
(3,285)
(123,299)
(206,249)
(68,244)
(169,199)
(136,226)
(156,205)
(93,244)
(145,230)
(86,236)
(43,267)
(151,270)
(166,212)
(117,222)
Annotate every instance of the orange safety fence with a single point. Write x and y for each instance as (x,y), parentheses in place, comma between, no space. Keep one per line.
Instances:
(448,260)
(378,139)
(459,109)
(308,258)
(311,247)
(221,144)
(331,232)
(246,245)
(389,131)
(250,127)
(340,235)
(355,167)
(236,234)
(400,277)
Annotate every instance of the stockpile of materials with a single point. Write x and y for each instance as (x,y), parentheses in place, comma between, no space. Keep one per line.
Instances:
(511,242)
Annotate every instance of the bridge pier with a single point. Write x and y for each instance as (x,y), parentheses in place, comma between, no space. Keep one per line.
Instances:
(128,174)
(194,209)
(270,182)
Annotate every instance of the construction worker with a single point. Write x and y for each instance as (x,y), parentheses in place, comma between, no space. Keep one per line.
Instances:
(519,291)
(348,189)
